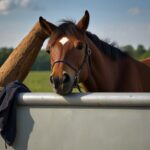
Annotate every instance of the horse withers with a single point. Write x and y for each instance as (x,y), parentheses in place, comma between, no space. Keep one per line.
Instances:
(146,61)
(78,56)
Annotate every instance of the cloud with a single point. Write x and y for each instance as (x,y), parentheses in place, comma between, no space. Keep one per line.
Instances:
(134,10)
(24,3)
(5,5)
(8,5)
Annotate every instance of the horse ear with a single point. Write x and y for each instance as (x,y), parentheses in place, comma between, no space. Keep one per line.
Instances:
(84,22)
(47,26)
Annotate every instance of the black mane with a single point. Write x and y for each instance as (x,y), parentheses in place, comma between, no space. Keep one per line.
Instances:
(68,28)
(106,48)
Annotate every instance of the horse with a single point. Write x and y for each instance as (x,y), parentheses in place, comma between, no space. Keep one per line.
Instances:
(146,61)
(79,56)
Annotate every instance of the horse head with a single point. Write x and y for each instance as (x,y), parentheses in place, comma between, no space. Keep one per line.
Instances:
(68,52)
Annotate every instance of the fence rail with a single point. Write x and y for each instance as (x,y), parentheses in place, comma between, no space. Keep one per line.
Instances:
(86,99)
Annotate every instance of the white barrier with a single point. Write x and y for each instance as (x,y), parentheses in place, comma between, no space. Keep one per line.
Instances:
(92,121)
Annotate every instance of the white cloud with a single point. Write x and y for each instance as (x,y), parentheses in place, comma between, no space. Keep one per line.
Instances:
(5,5)
(134,10)
(24,3)
(8,5)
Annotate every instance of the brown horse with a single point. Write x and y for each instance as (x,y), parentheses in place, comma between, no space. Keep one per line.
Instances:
(78,56)
(146,61)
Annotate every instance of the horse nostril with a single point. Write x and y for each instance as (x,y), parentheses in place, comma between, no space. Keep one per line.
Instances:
(55,81)
(51,79)
(66,78)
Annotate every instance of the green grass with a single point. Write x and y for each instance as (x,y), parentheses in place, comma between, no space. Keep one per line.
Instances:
(38,81)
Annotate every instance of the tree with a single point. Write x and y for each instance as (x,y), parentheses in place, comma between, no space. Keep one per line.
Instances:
(140,50)
(4,53)
(129,49)
(42,61)
(148,49)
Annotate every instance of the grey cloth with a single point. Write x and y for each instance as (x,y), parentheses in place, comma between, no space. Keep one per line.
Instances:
(8,102)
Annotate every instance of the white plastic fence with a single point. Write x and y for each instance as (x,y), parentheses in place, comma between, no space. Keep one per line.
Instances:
(91,121)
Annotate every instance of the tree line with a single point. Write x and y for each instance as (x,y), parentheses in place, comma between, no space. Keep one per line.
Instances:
(138,53)
(43,60)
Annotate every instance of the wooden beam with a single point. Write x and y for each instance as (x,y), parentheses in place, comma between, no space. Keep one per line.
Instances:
(20,61)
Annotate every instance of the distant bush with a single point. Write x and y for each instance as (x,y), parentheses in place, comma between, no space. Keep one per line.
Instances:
(129,49)
(4,53)
(42,61)
(139,53)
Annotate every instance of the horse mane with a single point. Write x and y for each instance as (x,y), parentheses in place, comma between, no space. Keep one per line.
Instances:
(108,49)
(68,27)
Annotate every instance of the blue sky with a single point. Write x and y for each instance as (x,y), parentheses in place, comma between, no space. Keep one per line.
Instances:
(123,21)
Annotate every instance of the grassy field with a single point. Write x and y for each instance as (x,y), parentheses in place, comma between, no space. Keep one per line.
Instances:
(38,81)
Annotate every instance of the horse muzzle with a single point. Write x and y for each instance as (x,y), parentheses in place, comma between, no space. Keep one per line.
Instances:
(63,85)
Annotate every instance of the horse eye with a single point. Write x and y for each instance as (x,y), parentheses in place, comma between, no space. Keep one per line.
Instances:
(79,45)
(48,51)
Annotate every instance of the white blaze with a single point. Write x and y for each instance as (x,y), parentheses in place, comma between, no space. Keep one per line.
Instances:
(63,40)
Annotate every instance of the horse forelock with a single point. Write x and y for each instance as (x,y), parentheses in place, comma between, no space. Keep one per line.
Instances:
(67,28)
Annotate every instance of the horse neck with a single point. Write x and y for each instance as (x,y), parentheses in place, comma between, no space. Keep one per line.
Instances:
(100,76)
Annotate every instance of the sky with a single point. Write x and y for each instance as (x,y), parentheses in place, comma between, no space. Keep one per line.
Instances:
(122,21)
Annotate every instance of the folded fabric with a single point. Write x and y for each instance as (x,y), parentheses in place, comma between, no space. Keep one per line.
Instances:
(8,103)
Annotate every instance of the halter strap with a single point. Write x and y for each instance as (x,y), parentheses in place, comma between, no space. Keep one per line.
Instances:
(65,62)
